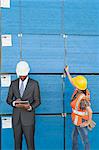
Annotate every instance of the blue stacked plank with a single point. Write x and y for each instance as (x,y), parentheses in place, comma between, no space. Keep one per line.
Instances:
(6,133)
(10,56)
(10,22)
(51,95)
(48,134)
(82,54)
(44,17)
(44,53)
(4,107)
(41,17)
(80,17)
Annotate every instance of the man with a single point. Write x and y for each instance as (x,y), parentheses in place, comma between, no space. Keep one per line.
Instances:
(24,97)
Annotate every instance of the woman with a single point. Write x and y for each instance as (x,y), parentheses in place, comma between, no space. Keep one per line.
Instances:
(81,110)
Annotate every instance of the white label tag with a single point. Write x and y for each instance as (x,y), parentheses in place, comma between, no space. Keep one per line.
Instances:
(6,40)
(6,122)
(5,3)
(5,80)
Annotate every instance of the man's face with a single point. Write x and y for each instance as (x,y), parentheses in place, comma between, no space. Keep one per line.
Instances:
(23,78)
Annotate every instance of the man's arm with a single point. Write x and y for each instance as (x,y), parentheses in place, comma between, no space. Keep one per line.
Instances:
(10,95)
(36,99)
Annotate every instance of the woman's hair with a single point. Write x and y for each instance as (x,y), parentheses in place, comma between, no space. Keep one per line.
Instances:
(84,91)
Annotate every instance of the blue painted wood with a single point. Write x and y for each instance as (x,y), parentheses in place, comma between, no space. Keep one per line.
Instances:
(80,17)
(49,133)
(41,17)
(10,56)
(51,95)
(68,133)
(82,54)
(48,128)
(44,17)
(11,18)
(4,107)
(93,135)
(7,139)
(44,53)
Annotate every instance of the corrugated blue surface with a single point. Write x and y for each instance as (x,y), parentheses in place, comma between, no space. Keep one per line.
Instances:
(10,21)
(10,56)
(4,107)
(6,133)
(82,53)
(40,16)
(44,17)
(48,134)
(44,53)
(7,137)
(51,95)
(93,86)
(47,51)
(80,17)
(68,133)
(93,135)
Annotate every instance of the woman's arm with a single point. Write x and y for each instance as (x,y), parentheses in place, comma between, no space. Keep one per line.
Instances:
(86,123)
(69,76)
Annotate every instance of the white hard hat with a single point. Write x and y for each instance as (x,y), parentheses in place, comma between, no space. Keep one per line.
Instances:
(22,68)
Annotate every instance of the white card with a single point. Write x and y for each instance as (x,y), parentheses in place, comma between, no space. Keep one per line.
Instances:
(5,80)
(6,122)
(6,40)
(5,3)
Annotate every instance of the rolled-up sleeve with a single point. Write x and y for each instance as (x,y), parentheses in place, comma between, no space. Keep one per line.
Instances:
(84,104)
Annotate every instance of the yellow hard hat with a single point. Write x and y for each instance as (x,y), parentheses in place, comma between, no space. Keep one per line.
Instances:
(80,82)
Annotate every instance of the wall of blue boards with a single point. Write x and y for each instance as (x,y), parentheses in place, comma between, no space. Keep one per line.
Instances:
(49,34)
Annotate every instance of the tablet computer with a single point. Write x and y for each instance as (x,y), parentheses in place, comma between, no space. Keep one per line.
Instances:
(22,102)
